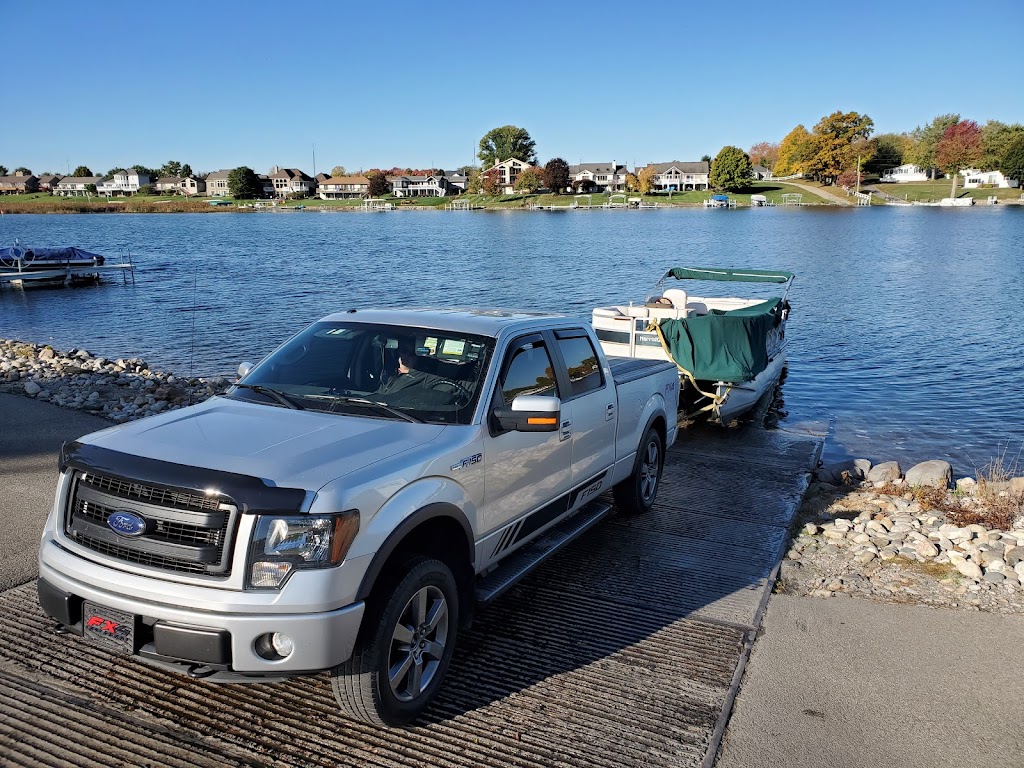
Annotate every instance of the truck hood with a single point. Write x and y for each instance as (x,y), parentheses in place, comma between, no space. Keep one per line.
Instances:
(283,447)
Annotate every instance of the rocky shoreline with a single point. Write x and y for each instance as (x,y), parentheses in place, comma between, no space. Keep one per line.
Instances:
(864,530)
(120,390)
(875,532)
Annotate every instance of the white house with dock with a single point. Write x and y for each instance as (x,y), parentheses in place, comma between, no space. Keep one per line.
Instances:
(602,177)
(680,177)
(904,173)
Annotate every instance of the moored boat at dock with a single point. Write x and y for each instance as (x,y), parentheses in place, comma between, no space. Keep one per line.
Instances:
(40,267)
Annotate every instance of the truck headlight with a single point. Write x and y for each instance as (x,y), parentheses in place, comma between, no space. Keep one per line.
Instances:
(281,545)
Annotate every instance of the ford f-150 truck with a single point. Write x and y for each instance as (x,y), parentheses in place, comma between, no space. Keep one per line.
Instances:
(350,499)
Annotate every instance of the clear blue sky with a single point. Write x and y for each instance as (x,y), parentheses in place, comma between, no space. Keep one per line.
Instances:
(219,84)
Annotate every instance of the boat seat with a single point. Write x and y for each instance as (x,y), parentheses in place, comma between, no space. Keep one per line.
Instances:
(697,307)
(677,296)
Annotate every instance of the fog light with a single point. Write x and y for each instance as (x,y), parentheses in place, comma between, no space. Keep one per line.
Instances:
(282,644)
(269,574)
(274,646)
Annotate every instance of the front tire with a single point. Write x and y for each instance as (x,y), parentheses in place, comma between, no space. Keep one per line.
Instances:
(404,648)
(635,495)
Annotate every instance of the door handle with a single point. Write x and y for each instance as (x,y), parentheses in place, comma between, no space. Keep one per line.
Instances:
(609,412)
(566,431)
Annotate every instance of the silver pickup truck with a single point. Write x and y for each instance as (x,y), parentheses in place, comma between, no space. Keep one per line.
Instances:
(351,499)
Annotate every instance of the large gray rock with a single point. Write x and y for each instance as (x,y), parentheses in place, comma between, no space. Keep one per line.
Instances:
(933,474)
(844,472)
(31,388)
(885,472)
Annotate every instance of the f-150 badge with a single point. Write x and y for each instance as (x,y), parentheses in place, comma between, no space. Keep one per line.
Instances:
(469,461)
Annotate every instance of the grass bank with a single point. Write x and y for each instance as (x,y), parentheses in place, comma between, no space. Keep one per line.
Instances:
(930,191)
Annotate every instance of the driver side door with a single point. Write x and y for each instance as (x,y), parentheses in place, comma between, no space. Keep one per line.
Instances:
(525,472)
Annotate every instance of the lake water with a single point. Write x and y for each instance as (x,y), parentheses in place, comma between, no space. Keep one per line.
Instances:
(905,330)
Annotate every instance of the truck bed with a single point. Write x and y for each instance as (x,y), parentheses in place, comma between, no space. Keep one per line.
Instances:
(627,369)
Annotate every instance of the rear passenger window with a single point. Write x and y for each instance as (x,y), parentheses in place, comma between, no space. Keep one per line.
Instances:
(581,360)
(530,373)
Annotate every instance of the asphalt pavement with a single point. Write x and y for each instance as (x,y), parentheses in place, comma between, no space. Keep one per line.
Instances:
(31,434)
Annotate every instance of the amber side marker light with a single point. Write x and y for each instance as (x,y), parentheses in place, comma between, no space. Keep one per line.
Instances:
(537,420)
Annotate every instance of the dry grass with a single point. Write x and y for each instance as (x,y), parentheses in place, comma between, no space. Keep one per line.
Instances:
(999,505)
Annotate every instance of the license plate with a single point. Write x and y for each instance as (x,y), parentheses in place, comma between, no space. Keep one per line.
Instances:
(113,629)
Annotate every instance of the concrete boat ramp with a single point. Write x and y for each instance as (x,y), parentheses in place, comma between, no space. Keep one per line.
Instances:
(626,649)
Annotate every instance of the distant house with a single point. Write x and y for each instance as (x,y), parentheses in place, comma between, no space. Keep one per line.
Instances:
(344,187)
(217,183)
(75,186)
(18,185)
(605,177)
(457,180)
(760,173)
(509,171)
(48,183)
(905,173)
(680,177)
(973,179)
(189,185)
(266,185)
(292,181)
(123,183)
(321,177)
(422,186)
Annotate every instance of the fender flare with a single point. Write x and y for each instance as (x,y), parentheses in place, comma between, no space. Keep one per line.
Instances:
(397,536)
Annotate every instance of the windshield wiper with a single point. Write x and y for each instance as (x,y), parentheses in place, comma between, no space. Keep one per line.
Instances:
(281,397)
(375,404)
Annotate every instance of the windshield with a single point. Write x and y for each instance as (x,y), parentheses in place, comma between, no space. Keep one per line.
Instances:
(381,371)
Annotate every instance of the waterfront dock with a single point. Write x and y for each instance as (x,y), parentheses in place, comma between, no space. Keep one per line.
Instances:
(626,649)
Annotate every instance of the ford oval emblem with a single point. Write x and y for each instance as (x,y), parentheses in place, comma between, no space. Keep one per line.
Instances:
(126,523)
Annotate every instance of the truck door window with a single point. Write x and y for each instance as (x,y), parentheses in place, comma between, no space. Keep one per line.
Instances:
(529,373)
(582,364)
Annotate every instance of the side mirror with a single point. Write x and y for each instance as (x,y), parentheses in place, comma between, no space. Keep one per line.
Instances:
(531,413)
(243,369)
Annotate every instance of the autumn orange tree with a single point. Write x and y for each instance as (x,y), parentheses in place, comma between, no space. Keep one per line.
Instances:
(794,152)
(764,153)
(645,179)
(960,147)
(838,139)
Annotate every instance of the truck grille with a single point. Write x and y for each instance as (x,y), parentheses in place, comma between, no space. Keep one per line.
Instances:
(185,531)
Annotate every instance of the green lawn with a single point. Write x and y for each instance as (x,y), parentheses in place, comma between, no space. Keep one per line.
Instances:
(928,191)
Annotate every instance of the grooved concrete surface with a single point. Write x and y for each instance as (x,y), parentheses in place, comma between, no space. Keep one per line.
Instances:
(619,651)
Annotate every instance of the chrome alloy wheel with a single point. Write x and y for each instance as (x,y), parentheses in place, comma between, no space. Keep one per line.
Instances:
(417,644)
(649,471)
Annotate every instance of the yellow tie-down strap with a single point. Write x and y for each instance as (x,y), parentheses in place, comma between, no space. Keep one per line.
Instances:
(716,400)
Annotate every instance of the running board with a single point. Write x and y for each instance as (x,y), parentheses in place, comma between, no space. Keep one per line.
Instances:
(514,567)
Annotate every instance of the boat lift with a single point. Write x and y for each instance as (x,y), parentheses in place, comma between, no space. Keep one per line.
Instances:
(19,268)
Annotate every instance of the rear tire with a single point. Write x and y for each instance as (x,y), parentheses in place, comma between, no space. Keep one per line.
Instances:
(404,647)
(636,494)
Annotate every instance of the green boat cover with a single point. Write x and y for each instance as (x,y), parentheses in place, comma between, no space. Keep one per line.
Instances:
(724,345)
(729,275)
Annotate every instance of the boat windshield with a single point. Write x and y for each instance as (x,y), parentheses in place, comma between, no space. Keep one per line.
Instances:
(377,371)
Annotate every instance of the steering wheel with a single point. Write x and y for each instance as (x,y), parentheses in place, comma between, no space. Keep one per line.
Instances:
(460,395)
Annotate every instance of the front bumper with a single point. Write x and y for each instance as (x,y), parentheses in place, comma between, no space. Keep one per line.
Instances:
(218,646)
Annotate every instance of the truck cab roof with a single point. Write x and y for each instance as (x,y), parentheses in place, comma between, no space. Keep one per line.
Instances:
(482,322)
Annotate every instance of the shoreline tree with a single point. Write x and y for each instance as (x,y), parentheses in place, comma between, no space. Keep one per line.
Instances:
(3,170)
(378,186)
(82,170)
(731,169)
(836,141)
(244,184)
(529,180)
(960,147)
(338,170)
(645,179)
(186,171)
(1012,163)
(996,138)
(764,153)
(500,144)
(22,171)
(556,175)
(794,151)
(926,140)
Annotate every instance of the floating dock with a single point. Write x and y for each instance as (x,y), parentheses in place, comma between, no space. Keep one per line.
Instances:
(625,649)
